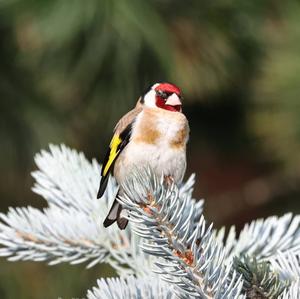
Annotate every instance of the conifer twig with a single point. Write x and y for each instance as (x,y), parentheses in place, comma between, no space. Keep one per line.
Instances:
(174,231)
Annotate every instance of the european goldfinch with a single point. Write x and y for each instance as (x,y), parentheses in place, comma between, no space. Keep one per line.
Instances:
(154,133)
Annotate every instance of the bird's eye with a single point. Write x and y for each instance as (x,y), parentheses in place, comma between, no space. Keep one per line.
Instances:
(162,94)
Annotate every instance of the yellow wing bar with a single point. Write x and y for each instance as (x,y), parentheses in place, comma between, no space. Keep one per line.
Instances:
(116,140)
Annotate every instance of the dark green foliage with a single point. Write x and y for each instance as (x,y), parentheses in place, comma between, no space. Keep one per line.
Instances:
(260,282)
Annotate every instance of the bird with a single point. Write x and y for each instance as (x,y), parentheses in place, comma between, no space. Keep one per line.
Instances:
(154,133)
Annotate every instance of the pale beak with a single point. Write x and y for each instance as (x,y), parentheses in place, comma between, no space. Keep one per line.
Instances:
(173,100)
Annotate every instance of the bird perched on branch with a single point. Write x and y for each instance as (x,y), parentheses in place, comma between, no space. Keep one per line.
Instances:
(154,133)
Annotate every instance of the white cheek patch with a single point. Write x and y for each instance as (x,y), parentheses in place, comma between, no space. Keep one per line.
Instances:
(150,99)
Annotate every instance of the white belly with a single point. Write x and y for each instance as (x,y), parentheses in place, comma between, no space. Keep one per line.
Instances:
(162,160)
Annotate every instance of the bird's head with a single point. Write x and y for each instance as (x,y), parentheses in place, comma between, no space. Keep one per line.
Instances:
(163,95)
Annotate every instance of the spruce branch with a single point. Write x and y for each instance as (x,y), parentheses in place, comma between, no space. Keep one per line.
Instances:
(293,292)
(59,236)
(65,178)
(52,235)
(260,281)
(287,265)
(131,287)
(264,239)
(174,230)
(193,259)
(70,229)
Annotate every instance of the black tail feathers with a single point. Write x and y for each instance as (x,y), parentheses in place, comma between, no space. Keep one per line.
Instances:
(114,214)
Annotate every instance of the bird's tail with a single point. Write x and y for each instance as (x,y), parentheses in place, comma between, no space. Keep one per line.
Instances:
(115,214)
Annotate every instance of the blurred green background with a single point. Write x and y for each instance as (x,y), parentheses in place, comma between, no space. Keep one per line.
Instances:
(70,69)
